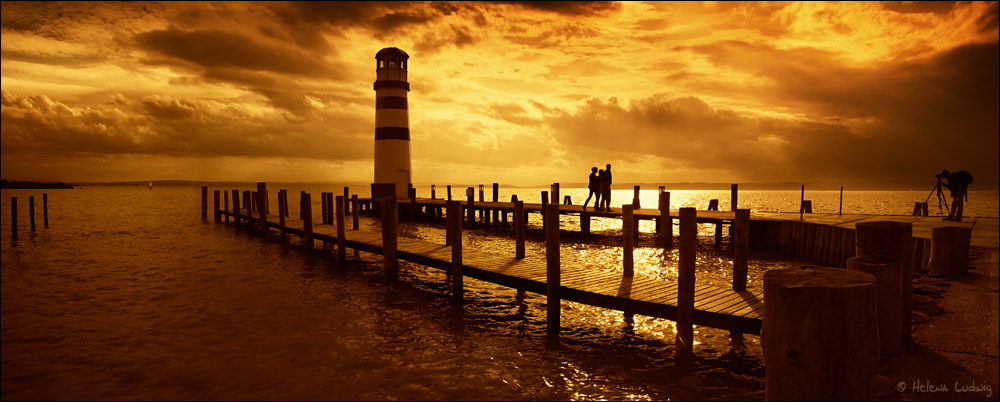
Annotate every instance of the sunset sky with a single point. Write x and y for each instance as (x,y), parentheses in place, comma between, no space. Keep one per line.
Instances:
(858,93)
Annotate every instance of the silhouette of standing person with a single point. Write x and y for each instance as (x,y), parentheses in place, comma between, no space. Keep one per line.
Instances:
(595,188)
(606,188)
(958,182)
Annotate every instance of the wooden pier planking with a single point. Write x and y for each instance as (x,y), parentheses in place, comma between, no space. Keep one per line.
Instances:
(637,295)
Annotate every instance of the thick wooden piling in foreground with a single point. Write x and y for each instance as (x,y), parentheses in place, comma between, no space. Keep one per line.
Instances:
(893,240)
(454,237)
(888,275)
(741,248)
(686,281)
(390,227)
(628,240)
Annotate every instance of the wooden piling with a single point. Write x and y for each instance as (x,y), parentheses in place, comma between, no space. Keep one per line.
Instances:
(685,282)
(734,198)
(545,201)
(331,208)
(236,207)
(470,208)
(347,196)
(13,218)
(413,203)
(262,206)
(284,193)
(307,220)
(666,222)
(449,192)
(741,248)
(585,222)
(45,209)
(713,205)
(302,199)
(225,205)
(216,198)
(282,206)
(891,240)
(820,334)
(552,268)
(888,275)
(802,203)
(519,223)
(433,191)
(389,238)
(341,229)
(555,193)
(482,198)
(204,202)
(841,209)
(496,198)
(31,212)
(635,198)
(949,251)
(354,211)
(628,240)
(455,238)
(324,208)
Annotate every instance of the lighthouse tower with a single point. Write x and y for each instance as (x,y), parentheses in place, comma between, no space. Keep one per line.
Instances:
(392,125)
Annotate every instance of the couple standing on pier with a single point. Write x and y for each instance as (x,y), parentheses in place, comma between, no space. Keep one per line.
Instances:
(600,185)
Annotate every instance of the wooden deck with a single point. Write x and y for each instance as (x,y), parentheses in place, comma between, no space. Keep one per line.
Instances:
(715,307)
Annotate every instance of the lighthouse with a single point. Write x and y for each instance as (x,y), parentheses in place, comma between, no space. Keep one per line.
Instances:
(392,125)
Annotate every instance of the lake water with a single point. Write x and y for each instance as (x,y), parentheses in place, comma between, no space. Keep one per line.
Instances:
(129,294)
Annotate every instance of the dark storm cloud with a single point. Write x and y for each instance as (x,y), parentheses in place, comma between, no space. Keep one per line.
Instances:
(220,49)
(573,8)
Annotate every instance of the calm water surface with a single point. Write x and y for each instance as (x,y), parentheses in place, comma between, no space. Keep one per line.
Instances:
(129,294)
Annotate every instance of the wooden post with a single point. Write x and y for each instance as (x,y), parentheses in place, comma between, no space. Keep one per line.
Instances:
(718,232)
(455,237)
(204,202)
(519,223)
(449,193)
(552,267)
(330,208)
(482,198)
(741,248)
(545,201)
(628,236)
(635,198)
(891,240)
(470,208)
(666,222)
(31,212)
(888,275)
(284,193)
(13,218)
(496,198)
(324,208)
(555,193)
(225,205)
(685,282)
(433,191)
(389,239)
(713,205)
(302,199)
(262,206)
(449,221)
(216,199)
(236,207)
(949,251)
(354,211)
(585,222)
(347,196)
(568,200)
(734,198)
(307,220)
(802,202)
(282,206)
(341,229)
(413,203)
(819,335)
(841,201)
(45,209)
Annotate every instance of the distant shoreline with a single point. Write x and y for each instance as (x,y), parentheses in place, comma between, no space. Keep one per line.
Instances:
(34,185)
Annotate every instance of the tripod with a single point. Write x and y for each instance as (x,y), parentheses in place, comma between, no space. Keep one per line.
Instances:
(942,200)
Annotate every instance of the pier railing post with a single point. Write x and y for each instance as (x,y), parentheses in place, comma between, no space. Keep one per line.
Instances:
(666,222)
(13,218)
(45,209)
(204,202)
(519,223)
(307,220)
(341,229)
(628,236)
(217,212)
(741,248)
(31,212)
(282,206)
(354,211)
(455,238)
(390,222)
(236,207)
(552,267)
(262,206)
(686,281)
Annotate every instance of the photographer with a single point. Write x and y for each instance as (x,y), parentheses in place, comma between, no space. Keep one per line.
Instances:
(958,182)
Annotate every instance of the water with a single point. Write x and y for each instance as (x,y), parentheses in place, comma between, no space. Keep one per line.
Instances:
(130,295)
